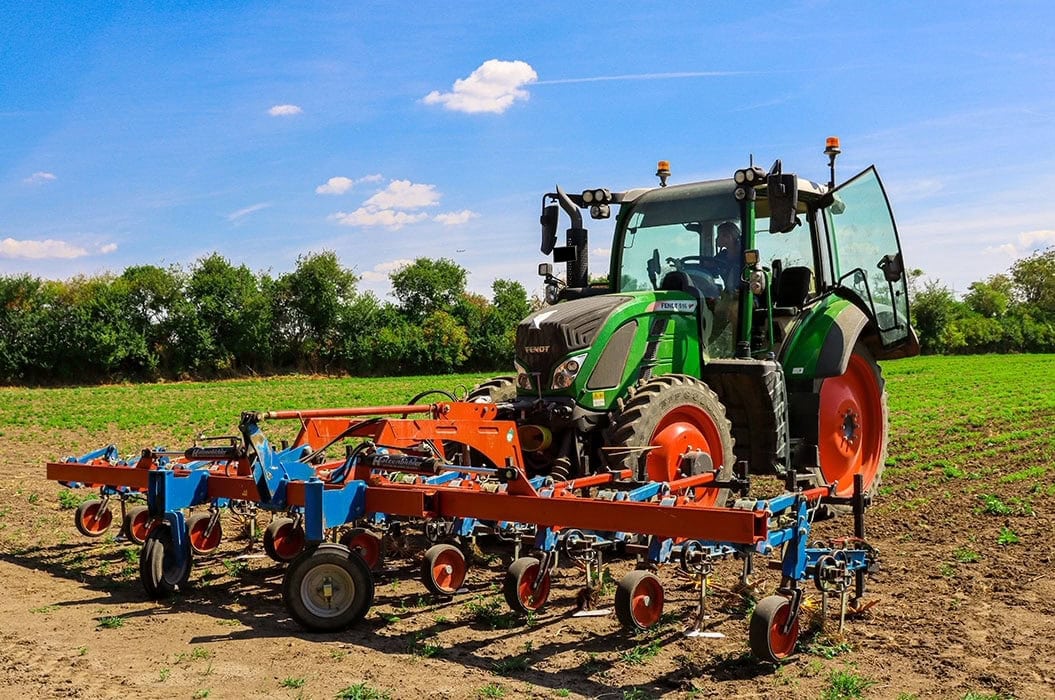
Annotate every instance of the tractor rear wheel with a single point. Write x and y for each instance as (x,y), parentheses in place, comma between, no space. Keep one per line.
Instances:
(662,419)
(852,427)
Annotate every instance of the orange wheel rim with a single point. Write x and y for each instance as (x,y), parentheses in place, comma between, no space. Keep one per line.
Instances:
(850,428)
(204,542)
(686,428)
(782,644)
(96,520)
(140,525)
(288,542)
(448,570)
(367,547)
(533,599)
(646,602)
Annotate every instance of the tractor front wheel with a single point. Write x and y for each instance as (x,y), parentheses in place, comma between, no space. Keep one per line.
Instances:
(663,419)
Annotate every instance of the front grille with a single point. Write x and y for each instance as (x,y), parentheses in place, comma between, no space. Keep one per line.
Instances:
(551,333)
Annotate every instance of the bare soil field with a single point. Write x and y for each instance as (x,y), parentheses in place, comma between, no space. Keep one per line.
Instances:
(964,598)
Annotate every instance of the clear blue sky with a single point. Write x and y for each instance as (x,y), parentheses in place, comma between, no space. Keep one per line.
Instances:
(149,132)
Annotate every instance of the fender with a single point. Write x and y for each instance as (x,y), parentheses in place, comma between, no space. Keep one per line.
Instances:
(821,344)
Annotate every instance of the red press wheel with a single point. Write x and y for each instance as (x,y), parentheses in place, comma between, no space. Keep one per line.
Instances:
(639,600)
(523,590)
(443,569)
(283,539)
(852,425)
(204,533)
(136,524)
(768,640)
(364,543)
(92,519)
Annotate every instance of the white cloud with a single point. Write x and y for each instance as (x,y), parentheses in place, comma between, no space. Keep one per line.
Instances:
(285,111)
(40,250)
(493,87)
(380,272)
(404,194)
(340,184)
(364,216)
(236,215)
(1025,243)
(108,248)
(39,178)
(455,218)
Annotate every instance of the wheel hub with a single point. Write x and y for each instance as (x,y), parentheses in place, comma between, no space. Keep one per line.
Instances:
(850,426)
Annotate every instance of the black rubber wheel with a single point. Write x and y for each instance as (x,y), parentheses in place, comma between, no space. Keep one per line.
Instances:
(159,570)
(671,414)
(283,540)
(136,524)
(364,543)
(494,391)
(327,589)
(767,638)
(202,539)
(92,520)
(853,425)
(518,584)
(443,569)
(639,600)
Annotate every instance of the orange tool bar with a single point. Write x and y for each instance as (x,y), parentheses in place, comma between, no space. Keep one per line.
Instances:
(690,481)
(97,474)
(593,480)
(348,412)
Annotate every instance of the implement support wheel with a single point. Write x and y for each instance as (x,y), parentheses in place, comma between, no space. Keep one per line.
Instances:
(91,519)
(136,524)
(364,543)
(852,425)
(639,600)
(204,534)
(443,569)
(523,590)
(160,568)
(327,589)
(283,539)
(669,416)
(768,640)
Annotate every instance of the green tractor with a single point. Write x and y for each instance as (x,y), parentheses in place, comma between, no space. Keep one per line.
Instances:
(740,324)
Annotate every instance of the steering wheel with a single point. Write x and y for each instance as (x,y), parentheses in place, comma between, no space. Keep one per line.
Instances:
(708,264)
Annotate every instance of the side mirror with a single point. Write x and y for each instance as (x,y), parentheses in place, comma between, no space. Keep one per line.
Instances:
(545,270)
(891,267)
(783,194)
(549,228)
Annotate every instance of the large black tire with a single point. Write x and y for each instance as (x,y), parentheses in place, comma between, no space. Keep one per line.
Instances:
(672,414)
(159,570)
(327,588)
(853,425)
(494,390)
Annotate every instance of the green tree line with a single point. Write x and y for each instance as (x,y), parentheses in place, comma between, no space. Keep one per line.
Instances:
(1010,312)
(220,319)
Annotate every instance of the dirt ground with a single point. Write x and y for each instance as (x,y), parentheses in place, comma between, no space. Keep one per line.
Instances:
(956,613)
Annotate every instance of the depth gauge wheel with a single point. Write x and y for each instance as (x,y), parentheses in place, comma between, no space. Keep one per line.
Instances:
(767,638)
(443,569)
(327,588)
(136,524)
(853,424)
(364,543)
(283,539)
(524,591)
(92,519)
(639,600)
(662,419)
(161,570)
(203,533)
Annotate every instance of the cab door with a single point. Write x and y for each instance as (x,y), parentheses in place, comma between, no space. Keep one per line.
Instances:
(866,254)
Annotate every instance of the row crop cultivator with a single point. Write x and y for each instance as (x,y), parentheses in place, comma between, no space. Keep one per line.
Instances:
(457,469)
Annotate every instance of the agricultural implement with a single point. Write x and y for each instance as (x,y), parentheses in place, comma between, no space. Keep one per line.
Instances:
(737,335)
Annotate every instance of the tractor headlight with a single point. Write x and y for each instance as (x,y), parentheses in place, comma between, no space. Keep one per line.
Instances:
(523,378)
(564,375)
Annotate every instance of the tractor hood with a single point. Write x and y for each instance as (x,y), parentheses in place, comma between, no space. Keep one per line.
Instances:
(550,334)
